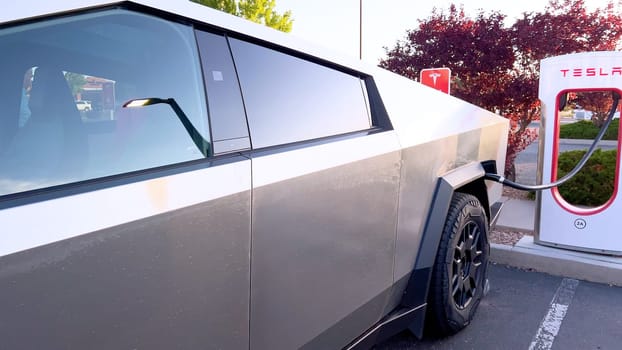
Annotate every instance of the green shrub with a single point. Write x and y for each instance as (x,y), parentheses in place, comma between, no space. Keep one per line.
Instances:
(594,184)
(585,129)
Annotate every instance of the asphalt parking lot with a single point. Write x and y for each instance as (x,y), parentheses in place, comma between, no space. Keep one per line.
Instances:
(530,310)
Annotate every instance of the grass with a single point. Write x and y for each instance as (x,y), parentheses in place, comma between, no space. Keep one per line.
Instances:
(594,184)
(584,129)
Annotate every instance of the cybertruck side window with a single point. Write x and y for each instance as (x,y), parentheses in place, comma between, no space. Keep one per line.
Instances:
(289,99)
(65,83)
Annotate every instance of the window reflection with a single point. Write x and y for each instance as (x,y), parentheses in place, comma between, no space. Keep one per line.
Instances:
(64,83)
(289,99)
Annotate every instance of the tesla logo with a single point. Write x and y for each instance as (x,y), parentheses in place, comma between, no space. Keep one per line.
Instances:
(435,76)
(591,72)
(580,224)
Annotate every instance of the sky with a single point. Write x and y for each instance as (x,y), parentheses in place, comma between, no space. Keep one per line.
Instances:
(335,23)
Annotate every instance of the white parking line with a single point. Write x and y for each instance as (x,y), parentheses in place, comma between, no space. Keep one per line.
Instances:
(549,327)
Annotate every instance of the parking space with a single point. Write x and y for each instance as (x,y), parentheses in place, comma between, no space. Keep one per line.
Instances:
(529,310)
(594,320)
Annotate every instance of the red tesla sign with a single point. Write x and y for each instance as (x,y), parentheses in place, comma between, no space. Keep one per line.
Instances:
(436,78)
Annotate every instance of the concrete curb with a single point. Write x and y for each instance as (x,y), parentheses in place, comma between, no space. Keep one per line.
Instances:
(516,215)
(584,266)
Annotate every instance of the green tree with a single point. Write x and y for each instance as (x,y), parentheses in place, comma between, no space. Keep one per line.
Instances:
(75,81)
(258,11)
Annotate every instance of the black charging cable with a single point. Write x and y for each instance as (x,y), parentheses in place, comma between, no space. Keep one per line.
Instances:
(575,170)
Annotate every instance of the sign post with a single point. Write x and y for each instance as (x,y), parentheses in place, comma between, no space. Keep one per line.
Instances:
(436,78)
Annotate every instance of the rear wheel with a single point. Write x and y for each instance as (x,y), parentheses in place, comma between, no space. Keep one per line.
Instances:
(459,275)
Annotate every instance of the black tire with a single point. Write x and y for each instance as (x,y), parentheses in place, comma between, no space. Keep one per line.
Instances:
(459,274)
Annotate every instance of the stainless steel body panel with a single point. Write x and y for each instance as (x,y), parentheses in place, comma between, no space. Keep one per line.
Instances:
(323,241)
(438,133)
(423,165)
(175,279)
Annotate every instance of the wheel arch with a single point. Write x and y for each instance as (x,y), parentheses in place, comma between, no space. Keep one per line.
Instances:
(467,179)
(477,188)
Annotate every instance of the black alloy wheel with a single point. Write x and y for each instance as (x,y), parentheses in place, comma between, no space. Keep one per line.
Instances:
(467,265)
(459,275)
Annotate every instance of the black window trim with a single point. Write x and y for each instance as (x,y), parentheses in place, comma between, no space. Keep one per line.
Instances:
(197,27)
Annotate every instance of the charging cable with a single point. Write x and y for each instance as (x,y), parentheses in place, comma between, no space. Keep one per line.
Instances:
(575,170)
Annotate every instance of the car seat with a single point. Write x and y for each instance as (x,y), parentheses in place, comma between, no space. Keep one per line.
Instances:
(51,148)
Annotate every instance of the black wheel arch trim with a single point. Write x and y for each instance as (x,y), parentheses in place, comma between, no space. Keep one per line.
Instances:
(467,179)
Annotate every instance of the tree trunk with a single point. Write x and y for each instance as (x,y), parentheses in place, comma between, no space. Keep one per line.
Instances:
(511,174)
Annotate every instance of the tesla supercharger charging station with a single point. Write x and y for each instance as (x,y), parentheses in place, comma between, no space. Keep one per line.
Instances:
(559,223)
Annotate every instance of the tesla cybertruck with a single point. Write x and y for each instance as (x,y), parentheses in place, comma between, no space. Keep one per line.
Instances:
(231,187)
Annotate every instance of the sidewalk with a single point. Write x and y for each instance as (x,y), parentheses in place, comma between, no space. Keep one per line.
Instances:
(518,214)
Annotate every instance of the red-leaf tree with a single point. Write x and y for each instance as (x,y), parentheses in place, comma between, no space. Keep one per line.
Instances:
(597,102)
(497,67)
